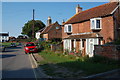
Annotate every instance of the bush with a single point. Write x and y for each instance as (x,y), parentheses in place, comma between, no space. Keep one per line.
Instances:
(117,42)
(101,59)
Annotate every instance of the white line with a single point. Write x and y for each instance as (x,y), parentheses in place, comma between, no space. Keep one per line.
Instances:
(32,67)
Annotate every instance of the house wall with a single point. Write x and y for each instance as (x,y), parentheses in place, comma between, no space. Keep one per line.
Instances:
(117,24)
(55,33)
(45,36)
(81,27)
(37,35)
(4,38)
(107,30)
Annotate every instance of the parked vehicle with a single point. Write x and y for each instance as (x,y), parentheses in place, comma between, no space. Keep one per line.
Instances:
(30,47)
(13,45)
(2,48)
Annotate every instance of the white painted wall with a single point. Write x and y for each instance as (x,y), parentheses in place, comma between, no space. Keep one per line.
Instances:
(5,38)
(37,35)
(90,46)
(67,44)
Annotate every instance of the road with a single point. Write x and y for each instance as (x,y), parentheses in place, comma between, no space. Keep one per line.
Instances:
(16,64)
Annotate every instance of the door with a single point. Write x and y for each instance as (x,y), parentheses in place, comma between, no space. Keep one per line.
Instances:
(91,47)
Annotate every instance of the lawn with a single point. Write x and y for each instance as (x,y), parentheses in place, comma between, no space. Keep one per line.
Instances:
(74,64)
(7,44)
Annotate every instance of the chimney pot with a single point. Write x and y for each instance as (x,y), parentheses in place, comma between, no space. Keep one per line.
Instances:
(78,9)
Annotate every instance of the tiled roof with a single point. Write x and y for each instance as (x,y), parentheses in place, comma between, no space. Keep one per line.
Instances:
(48,28)
(4,34)
(82,36)
(99,11)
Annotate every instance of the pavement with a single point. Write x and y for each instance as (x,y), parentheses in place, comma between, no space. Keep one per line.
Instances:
(39,71)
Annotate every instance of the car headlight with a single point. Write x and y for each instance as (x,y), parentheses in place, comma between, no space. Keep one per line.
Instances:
(26,48)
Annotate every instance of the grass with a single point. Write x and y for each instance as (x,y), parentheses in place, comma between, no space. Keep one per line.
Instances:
(7,44)
(88,65)
(53,58)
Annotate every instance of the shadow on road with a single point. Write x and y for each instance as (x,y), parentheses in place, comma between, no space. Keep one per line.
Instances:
(14,47)
(10,51)
(6,56)
(21,74)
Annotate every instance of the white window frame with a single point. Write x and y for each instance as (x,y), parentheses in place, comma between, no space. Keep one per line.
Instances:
(66,30)
(95,23)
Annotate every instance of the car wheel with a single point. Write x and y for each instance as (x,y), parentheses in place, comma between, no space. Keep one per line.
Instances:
(25,52)
(4,49)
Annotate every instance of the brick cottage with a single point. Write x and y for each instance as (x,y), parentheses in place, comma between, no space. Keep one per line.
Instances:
(95,26)
(53,31)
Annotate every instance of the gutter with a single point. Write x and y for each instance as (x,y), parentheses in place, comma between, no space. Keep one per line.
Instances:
(116,8)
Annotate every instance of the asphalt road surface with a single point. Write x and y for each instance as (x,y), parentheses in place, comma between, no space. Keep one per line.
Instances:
(16,64)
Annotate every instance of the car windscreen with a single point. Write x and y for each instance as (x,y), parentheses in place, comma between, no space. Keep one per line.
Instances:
(31,44)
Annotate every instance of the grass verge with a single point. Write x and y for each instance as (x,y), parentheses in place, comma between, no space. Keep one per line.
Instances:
(73,64)
(7,44)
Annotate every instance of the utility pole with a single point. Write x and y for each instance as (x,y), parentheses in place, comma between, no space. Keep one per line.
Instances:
(33,24)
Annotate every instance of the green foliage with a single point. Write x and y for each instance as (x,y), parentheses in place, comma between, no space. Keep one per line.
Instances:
(27,29)
(101,59)
(7,44)
(93,65)
(66,52)
(117,42)
(26,40)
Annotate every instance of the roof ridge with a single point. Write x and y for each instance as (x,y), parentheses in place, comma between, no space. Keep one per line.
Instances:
(99,6)
(48,27)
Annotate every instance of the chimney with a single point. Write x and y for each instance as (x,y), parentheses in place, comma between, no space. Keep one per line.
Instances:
(49,21)
(78,9)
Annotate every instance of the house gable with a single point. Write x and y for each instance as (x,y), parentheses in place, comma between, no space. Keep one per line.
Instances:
(53,31)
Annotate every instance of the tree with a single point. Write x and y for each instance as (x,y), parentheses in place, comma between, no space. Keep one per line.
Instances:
(27,29)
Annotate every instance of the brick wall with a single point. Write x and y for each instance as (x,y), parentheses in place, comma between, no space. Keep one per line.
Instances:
(55,33)
(110,51)
(107,30)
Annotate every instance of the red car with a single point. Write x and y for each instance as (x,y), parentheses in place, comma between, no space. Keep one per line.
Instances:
(30,47)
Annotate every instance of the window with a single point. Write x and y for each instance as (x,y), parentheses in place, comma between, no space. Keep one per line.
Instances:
(31,44)
(57,27)
(68,28)
(96,23)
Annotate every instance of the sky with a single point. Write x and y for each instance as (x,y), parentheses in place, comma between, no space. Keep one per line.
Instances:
(16,14)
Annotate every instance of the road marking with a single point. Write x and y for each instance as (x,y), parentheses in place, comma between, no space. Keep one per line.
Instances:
(32,66)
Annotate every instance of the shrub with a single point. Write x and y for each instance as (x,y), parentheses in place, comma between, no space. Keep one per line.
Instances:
(117,42)
(101,59)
